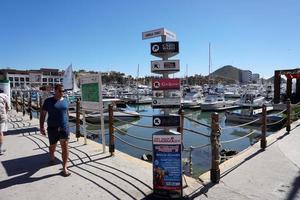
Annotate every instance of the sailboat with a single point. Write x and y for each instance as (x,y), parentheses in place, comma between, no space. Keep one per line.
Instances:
(69,80)
(70,85)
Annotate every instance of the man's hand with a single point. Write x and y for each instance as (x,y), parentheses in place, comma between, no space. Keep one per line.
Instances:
(42,130)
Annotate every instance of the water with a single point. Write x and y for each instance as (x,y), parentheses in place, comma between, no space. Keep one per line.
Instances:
(201,157)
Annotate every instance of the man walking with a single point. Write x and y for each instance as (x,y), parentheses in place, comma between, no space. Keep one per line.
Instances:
(4,102)
(58,125)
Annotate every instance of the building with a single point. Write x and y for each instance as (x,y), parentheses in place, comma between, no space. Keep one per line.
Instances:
(245,76)
(255,78)
(32,78)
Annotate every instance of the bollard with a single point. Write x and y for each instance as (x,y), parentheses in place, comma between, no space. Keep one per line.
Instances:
(190,160)
(30,106)
(215,153)
(263,141)
(23,104)
(77,119)
(288,115)
(16,102)
(111,130)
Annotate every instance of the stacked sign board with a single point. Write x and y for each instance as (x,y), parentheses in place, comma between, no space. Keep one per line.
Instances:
(167,169)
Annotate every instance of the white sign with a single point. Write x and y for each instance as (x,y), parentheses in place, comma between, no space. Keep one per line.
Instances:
(90,92)
(167,139)
(170,102)
(164,66)
(157,33)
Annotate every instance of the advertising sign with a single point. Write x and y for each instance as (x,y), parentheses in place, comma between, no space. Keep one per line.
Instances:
(164,66)
(157,33)
(166,120)
(166,84)
(90,92)
(167,167)
(164,49)
(167,102)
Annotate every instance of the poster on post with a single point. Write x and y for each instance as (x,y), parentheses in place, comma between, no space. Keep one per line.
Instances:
(167,167)
(90,92)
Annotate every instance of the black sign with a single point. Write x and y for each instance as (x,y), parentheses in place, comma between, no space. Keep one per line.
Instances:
(166,120)
(164,49)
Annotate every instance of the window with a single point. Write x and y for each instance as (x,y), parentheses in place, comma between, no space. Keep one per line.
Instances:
(22,79)
(16,78)
(27,79)
(56,80)
(61,79)
(11,78)
(50,79)
(44,80)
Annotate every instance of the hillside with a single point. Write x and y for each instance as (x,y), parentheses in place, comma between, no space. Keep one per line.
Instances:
(227,72)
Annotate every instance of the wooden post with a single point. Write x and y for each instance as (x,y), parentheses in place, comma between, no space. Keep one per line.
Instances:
(288,115)
(263,141)
(77,119)
(30,106)
(215,153)
(23,103)
(111,130)
(181,115)
(191,160)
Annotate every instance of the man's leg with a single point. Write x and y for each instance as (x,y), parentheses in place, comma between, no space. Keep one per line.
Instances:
(1,141)
(52,148)
(64,154)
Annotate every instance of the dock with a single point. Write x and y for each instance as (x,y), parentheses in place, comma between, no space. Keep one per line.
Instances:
(252,174)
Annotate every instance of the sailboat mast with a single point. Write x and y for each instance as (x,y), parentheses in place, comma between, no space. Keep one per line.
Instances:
(209,63)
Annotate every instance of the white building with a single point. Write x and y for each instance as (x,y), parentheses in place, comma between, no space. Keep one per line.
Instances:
(246,76)
(255,77)
(32,78)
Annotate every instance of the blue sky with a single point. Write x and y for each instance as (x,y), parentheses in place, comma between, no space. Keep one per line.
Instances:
(103,35)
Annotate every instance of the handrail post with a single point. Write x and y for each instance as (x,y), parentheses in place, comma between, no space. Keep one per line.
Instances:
(77,119)
(288,115)
(263,141)
(215,153)
(16,103)
(30,106)
(111,130)
(23,103)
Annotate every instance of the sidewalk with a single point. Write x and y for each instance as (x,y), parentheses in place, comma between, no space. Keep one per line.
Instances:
(25,174)
(253,174)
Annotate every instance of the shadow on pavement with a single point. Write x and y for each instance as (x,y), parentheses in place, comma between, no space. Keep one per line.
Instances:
(25,167)
(295,191)
(23,130)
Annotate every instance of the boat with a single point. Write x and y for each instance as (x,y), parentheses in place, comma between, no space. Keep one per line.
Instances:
(215,102)
(252,98)
(120,111)
(248,115)
(192,100)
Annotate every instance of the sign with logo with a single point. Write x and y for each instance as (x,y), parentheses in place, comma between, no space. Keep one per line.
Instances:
(157,33)
(164,66)
(167,167)
(164,49)
(166,120)
(166,102)
(166,84)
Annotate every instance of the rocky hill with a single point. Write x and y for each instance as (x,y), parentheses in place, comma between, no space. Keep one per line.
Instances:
(227,72)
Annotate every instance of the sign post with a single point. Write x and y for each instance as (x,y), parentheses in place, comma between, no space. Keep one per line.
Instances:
(91,98)
(167,144)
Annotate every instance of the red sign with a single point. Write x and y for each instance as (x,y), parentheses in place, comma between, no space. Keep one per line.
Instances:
(166,84)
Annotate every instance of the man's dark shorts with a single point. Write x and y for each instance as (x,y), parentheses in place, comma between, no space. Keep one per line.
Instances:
(55,134)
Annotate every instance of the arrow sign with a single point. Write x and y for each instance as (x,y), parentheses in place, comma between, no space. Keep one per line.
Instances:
(164,66)
(171,102)
(166,120)
(166,84)
(164,49)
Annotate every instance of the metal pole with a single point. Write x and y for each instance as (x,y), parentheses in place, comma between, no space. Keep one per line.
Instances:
(102,133)
(288,115)
(84,126)
(111,130)
(23,103)
(215,153)
(263,141)
(30,106)
(77,119)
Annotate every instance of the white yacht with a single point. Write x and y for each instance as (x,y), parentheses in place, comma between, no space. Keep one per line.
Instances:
(192,100)
(216,102)
(252,98)
(120,111)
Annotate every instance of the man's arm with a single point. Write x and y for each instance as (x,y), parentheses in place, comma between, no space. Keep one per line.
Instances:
(42,121)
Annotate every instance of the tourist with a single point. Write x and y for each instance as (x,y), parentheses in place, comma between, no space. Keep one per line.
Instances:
(4,106)
(58,125)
